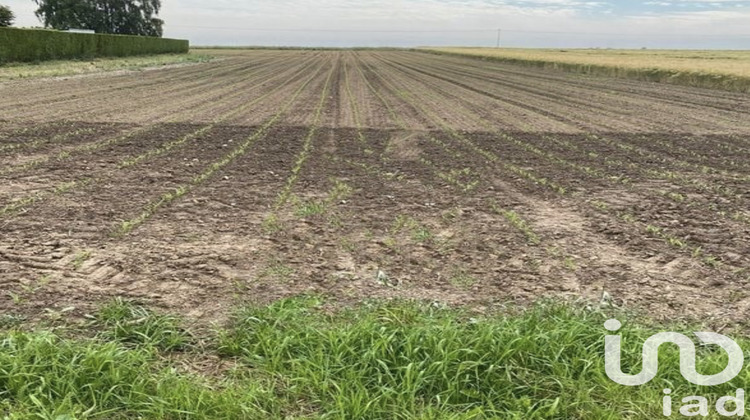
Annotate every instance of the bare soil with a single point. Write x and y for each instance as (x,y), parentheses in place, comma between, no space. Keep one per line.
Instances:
(372,174)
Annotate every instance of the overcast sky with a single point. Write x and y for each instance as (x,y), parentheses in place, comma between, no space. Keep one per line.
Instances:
(524,23)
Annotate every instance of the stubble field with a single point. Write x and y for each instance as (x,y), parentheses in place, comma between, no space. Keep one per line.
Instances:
(367,174)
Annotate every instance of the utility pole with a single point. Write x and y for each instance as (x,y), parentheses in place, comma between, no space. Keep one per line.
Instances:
(498,37)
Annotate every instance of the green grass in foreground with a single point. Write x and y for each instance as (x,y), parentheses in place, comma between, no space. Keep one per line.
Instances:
(293,359)
(11,71)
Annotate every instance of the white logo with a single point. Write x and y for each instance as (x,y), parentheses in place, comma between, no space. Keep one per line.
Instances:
(612,353)
(692,405)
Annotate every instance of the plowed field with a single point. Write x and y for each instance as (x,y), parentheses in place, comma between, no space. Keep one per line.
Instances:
(359,174)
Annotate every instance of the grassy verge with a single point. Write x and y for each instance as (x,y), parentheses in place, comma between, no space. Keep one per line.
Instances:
(725,70)
(297,359)
(57,68)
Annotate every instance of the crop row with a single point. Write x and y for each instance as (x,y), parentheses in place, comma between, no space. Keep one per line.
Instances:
(463,180)
(141,88)
(307,146)
(199,93)
(467,179)
(500,83)
(736,215)
(168,197)
(166,116)
(564,92)
(669,238)
(425,94)
(171,144)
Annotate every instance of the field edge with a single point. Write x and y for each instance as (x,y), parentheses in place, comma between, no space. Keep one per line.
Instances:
(724,82)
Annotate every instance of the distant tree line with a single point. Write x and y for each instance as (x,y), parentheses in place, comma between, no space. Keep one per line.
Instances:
(123,17)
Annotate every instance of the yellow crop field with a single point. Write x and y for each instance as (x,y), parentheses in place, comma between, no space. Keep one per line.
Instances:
(729,70)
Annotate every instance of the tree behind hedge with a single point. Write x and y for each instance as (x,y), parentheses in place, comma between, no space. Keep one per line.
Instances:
(6,16)
(124,17)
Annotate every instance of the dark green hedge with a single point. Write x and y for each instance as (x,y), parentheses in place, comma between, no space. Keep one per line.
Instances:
(40,44)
